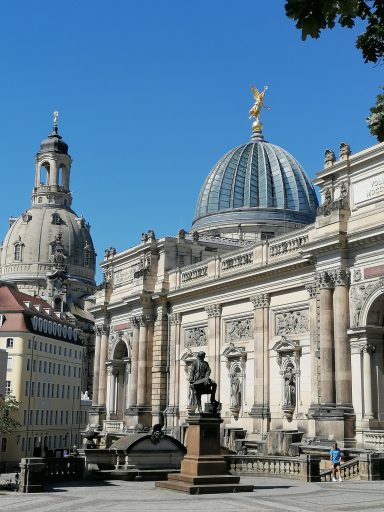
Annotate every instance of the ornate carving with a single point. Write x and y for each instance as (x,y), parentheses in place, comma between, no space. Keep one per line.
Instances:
(260,301)
(359,295)
(312,290)
(213,310)
(325,279)
(289,375)
(175,318)
(288,246)
(329,157)
(368,349)
(104,329)
(288,358)
(143,268)
(136,321)
(344,151)
(327,208)
(357,275)
(238,330)
(195,337)
(341,277)
(292,322)
(343,189)
(58,257)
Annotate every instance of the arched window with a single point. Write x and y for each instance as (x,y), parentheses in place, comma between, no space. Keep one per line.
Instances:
(18,250)
(44,173)
(40,200)
(61,175)
(56,219)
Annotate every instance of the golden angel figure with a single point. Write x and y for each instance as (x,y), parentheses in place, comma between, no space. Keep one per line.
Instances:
(259,102)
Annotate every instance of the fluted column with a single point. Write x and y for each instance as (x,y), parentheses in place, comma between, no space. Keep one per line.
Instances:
(260,407)
(134,362)
(96,366)
(342,346)
(326,284)
(103,370)
(367,376)
(214,316)
(312,293)
(127,371)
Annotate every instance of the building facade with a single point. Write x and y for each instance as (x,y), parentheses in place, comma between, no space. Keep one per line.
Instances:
(283,295)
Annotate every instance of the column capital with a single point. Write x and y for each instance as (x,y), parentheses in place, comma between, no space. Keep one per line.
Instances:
(141,320)
(312,290)
(175,318)
(102,329)
(341,277)
(366,348)
(325,279)
(260,300)
(213,310)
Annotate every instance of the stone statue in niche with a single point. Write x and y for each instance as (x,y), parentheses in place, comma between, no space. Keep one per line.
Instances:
(289,385)
(235,389)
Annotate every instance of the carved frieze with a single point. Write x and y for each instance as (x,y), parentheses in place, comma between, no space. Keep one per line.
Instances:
(195,337)
(292,322)
(237,261)
(240,329)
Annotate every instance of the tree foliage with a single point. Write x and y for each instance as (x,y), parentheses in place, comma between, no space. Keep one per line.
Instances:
(8,406)
(313,16)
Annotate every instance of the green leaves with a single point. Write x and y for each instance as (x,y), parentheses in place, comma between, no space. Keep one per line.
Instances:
(376,119)
(8,405)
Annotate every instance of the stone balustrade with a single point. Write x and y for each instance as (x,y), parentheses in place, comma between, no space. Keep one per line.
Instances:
(288,245)
(237,260)
(305,467)
(349,470)
(113,426)
(373,440)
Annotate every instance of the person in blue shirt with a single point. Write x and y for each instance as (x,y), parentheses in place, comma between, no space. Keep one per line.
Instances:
(335,456)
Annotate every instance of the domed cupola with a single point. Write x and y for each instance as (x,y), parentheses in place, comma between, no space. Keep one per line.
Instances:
(256,190)
(49,239)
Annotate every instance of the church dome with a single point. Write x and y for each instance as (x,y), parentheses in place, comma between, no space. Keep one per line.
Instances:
(30,246)
(54,142)
(256,184)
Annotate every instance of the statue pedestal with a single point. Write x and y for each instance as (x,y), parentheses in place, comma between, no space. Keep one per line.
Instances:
(203,469)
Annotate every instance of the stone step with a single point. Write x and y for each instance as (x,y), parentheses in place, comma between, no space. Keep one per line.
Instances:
(204,489)
(205,480)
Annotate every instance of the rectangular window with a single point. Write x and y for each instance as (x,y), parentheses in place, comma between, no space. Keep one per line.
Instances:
(68,390)
(59,351)
(3,444)
(56,412)
(43,389)
(37,417)
(32,389)
(49,367)
(66,417)
(50,348)
(57,390)
(77,417)
(35,344)
(38,389)
(28,364)
(62,391)
(45,347)
(78,391)
(9,363)
(61,417)
(9,342)
(46,416)
(65,351)
(58,368)
(29,444)
(40,363)
(64,370)
(22,445)
(29,344)
(26,388)
(45,366)
(70,352)
(34,365)
(41,346)
(25,417)
(54,368)
(8,387)
(69,371)
(75,354)
(31,417)
(54,349)
(50,416)
(48,389)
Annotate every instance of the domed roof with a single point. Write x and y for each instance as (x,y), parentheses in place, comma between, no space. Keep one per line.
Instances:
(256,182)
(54,143)
(38,233)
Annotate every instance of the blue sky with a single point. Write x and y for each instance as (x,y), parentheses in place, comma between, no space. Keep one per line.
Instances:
(151,94)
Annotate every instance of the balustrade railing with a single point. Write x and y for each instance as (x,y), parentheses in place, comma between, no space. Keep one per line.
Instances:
(268,465)
(374,440)
(348,471)
(288,246)
(113,426)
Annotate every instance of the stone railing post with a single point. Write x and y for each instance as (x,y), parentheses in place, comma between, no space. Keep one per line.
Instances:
(31,474)
(371,466)
(310,468)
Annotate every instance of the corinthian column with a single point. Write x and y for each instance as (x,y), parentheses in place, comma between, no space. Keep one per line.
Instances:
(368,410)
(214,315)
(343,374)
(326,284)
(96,366)
(260,407)
(142,363)
(103,369)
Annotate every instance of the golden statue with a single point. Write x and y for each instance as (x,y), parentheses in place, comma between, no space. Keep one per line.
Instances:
(256,108)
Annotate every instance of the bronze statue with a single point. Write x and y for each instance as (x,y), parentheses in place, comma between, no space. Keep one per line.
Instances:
(200,382)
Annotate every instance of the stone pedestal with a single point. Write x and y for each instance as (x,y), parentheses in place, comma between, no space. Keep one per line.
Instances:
(31,474)
(203,469)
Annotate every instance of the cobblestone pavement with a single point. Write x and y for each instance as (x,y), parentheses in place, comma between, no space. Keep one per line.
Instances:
(270,494)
